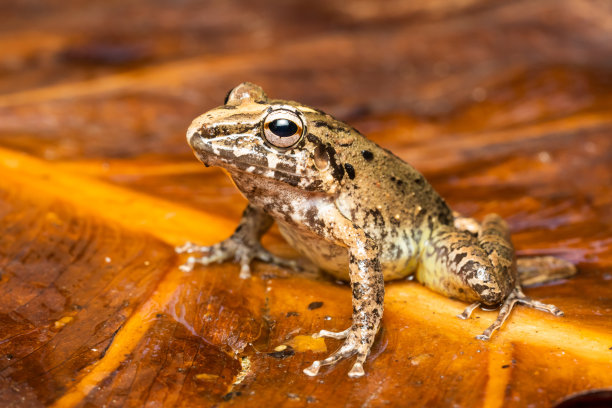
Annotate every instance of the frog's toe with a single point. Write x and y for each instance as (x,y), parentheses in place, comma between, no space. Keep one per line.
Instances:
(516,296)
(332,335)
(188,265)
(190,248)
(346,351)
(357,370)
(552,309)
(504,313)
(192,261)
(467,312)
(313,370)
(351,346)
(219,252)
(245,271)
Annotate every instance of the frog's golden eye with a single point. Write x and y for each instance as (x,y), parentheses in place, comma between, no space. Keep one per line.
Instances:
(283,128)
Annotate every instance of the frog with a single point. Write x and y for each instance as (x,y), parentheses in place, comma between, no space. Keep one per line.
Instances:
(357,212)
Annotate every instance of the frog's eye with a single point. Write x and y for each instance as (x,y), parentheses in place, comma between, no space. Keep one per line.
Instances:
(283,128)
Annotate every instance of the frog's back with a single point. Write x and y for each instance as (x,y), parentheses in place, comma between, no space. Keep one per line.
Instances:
(385,188)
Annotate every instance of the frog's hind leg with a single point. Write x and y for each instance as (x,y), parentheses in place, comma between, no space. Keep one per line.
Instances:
(494,238)
(532,270)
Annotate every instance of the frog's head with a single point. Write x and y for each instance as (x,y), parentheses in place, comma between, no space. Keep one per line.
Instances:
(270,139)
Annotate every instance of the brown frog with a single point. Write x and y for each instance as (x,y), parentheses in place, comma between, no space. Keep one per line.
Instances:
(356,211)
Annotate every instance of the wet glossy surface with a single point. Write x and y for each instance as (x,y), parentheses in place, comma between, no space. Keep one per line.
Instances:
(504,107)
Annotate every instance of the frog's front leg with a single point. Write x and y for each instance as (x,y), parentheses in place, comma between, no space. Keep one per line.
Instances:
(478,269)
(368,297)
(243,245)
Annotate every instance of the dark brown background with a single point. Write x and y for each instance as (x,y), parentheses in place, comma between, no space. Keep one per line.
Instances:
(504,106)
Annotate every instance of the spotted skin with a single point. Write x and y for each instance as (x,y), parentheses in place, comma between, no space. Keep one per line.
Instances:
(356,211)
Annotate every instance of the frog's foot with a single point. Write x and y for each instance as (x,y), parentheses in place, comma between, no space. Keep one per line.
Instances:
(537,270)
(232,249)
(516,296)
(352,345)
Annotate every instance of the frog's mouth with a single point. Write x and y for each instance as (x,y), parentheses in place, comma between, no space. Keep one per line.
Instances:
(246,153)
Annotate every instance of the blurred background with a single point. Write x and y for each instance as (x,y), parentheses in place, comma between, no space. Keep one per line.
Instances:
(437,66)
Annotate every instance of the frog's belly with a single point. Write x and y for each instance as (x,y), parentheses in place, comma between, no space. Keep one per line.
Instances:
(334,258)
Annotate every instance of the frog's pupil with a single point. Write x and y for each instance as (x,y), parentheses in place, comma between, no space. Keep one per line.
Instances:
(283,127)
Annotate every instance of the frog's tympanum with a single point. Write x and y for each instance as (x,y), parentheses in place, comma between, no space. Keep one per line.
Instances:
(356,211)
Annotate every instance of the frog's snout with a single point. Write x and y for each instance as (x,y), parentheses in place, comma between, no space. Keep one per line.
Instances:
(199,131)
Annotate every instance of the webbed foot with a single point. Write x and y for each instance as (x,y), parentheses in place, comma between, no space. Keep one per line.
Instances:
(229,249)
(516,296)
(353,344)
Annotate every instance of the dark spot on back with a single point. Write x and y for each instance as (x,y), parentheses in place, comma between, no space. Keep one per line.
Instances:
(337,169)
(298,146)
(335,127)
(315,305)
(397,181)
(350,170)
(367,155)
(322,123)
(312,138)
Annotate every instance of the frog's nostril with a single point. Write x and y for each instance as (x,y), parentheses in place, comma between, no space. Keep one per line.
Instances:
(200,131)
(205,132)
